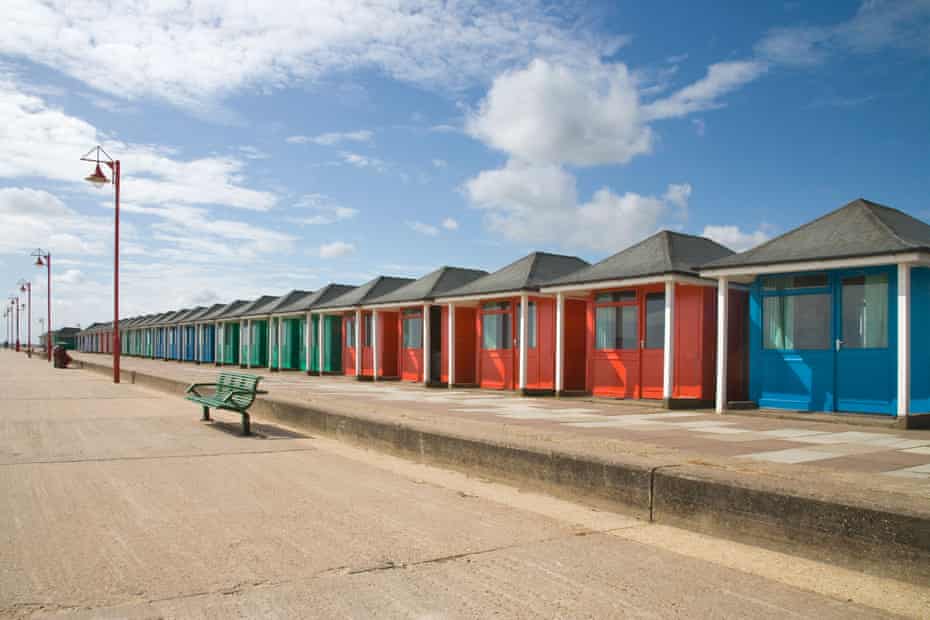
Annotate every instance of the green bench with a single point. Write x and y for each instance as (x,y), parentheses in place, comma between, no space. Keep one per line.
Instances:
(233,391)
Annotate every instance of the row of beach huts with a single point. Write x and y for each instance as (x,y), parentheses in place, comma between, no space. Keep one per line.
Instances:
(817,319)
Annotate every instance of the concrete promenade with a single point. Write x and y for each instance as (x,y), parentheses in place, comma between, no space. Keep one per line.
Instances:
(116,502)
(856,495)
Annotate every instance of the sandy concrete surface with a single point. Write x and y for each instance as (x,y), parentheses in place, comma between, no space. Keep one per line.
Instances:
(115,501)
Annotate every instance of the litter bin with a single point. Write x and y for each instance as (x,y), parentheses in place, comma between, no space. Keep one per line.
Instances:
(60,357)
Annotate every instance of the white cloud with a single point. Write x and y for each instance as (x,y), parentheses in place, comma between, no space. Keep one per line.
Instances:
(324,210)
(423,229)
(362,161)
(252,152)
(36,218)
(539,204)
(549,113)
(150,175)
(736,239)
(329,139)
(904,24)
(704,94)
(439,163)
(336,249)
(450,224)
(199,52)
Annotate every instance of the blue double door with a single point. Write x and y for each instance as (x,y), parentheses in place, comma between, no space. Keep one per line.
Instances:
(825,341)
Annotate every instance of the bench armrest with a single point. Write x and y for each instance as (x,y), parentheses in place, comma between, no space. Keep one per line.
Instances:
(234,392)
(192,388)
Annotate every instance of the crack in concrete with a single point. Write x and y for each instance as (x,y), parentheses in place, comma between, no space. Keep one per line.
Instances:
(116,459)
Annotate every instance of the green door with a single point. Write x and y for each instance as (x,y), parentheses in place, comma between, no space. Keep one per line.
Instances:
(332,344)
(231,343)
(292,344)
(301,325)
(314,344)
(259,344)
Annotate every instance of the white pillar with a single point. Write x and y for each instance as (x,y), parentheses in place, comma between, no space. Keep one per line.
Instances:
(248,346)
(904,340)
(426,345)
(450,340)
(358,343)
(374,344)
(524,331)
(321,320)
(559,343)
(723,287)
(280,341)
(308,328)
(668,357)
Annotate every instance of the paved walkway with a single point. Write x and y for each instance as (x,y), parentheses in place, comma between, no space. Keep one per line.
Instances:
(813,454)
(115,501)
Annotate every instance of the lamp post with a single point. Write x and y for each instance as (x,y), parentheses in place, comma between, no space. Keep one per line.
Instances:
(14,301)
(44,259)
(99,179)
(26,287)
(6,317)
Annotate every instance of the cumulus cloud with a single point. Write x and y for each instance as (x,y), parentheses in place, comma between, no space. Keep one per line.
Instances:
(36,218)
(450,224)
(324,210)
(735,238)
(539,204)
(721,79)
(363,161)
(549,113)
(192,53)
(336,249)
(151,174)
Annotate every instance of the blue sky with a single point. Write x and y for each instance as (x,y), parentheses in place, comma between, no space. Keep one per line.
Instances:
(280,147)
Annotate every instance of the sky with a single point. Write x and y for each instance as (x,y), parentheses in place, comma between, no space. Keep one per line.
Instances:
(267,147)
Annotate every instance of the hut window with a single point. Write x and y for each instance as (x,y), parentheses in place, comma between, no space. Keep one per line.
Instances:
(530,324)
(413,329)
(796,321)
(865,311)
(617,327)
(788,283)
(495,331)
(369,328)
(655,321)
(350,333)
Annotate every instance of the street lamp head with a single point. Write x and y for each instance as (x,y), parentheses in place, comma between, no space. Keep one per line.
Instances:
(39,262)
(97,177)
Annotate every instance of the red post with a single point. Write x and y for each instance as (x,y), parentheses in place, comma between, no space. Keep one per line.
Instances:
(16,305)
(29,320)
(116,338)
(48,318)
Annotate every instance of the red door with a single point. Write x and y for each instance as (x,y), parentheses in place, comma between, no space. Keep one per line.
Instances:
(411,349)
(652,341)
(496,343)
(348,344)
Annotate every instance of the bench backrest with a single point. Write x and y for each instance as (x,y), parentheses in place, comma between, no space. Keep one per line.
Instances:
(228,381)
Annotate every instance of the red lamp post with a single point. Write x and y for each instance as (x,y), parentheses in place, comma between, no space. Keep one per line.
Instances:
(26,287)
(99,179)
(44,258)
(14,301)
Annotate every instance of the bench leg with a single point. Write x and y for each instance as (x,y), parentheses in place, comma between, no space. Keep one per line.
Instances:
(246,425)
(206,414)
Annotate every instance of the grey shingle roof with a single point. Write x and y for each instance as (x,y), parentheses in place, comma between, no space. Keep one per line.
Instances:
(168,317)
(257,307)
(184,315)
(198,314)
(207,313)
(310,300)
(431,285)
(378,287)
(526,274)
(285,300)
(224,310)
(860,228)
(665,252)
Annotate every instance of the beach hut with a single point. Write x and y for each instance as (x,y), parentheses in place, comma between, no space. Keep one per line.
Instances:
(228,332)
(830,312)
(205,326)
(300,331)
(358,328)
(507,358)
(190,332)
(641,323)
(286,334)
(254,343)
(409,306)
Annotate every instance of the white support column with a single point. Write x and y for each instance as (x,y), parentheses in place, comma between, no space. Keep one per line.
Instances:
(524,320)
(559,343)
(374,344)
(668,357)
(450,340)
(904,340)
(358,343)
(320,343)
(248,348)
(308,328)
(426,345)
(723,287)
(280,341)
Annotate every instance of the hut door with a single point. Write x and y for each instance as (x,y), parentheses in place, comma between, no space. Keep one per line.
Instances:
(865,356)
(652,344)
(435,344)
